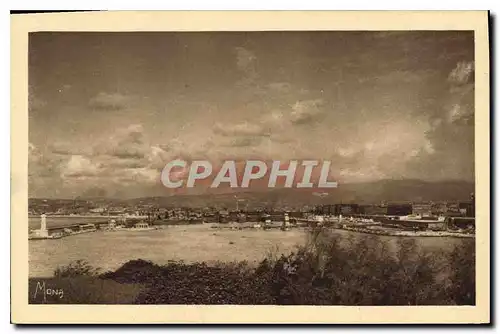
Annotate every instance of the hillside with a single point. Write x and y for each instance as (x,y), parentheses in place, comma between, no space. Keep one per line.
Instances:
(372,192)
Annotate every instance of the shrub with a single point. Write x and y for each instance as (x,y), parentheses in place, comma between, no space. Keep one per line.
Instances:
(135,271)
(326,270)
(366,272)
(75,269)
(462,287)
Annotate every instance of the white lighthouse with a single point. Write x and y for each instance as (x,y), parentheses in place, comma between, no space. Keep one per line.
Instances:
(43,222)
(42,232)
(286,222)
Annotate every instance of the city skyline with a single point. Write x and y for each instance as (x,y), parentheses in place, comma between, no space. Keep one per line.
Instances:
(106,117)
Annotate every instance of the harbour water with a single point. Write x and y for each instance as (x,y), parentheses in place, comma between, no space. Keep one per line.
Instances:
(189,243)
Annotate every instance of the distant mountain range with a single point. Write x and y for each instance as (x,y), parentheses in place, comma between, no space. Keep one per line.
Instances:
(362,193)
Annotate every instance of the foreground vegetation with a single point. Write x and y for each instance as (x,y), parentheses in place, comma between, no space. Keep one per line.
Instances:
(322,272)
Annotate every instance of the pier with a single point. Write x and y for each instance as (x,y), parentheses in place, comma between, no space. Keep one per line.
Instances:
(58,232)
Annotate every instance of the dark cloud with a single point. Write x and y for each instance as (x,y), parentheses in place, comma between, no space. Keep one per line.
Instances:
(95,192)
(377,104)
(125,163)
(451,134)
(401,77)
(462,73)
(134,134)
(65,148)
(306,112)
(241,129)
(35,103)
(108,101)
(281,87)
(131,152)
(246,64)
(245,141)
(127,143)
(245,60)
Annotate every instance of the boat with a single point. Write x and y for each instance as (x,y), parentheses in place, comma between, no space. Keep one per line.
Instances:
(85,228)
(139,227)
(112,226)
(115,228)
(42,237)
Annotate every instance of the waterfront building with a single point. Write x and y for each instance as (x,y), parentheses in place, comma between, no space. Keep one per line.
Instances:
(461,223)
(87,227)
(337,209)
(452,209)
(439,208)
(422,209)
(467,209)
(416,224)
(373,210)
(403,209)
(141,225)
(97,210)
(346,209)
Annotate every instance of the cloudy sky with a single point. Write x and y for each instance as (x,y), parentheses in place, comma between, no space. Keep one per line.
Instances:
(108,110)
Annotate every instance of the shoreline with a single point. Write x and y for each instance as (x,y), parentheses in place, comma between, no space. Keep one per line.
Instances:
(246,226)
(86,216)
(187,243)
(446,234)
(395,233)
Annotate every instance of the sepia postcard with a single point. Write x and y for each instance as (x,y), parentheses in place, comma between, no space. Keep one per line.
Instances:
(250,167)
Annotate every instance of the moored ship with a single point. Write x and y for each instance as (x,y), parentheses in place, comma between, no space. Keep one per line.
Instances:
(139,227)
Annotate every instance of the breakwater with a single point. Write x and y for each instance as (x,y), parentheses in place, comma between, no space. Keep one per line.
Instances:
(399,233)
